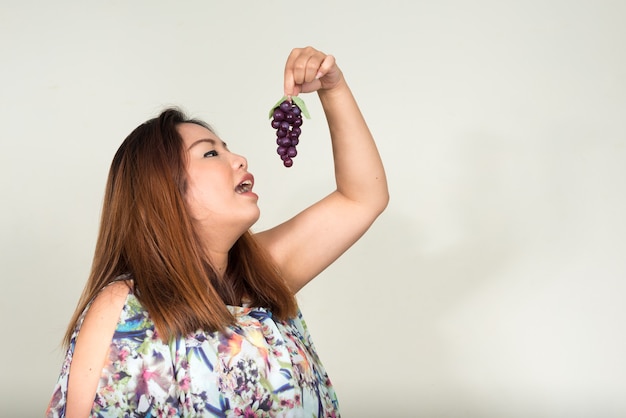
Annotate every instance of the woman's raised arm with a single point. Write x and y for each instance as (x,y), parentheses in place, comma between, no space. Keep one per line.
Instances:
(305,245)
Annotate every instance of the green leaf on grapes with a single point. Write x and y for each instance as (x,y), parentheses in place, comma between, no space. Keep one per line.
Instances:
(297,101)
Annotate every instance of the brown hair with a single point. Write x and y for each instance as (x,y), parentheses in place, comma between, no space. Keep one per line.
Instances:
(146,232)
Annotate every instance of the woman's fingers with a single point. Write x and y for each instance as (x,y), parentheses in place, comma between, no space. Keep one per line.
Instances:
(326,66)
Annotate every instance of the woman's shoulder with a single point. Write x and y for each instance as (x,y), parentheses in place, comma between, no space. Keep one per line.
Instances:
(116,290)
(105,309)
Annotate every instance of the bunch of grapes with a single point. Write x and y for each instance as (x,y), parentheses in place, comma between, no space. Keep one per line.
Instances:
(287,120)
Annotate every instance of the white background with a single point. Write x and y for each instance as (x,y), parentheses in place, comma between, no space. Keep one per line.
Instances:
(493,285)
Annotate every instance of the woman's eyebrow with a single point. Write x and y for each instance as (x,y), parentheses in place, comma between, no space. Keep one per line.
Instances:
(209,140)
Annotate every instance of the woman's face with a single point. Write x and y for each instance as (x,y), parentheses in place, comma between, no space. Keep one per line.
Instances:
(219,187)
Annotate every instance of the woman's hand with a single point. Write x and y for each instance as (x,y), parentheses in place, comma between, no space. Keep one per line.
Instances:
(308,70)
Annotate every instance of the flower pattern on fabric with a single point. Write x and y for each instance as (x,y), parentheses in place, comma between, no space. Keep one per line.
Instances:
(259,367)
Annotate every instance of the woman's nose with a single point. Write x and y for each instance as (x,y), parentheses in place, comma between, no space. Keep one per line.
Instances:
(240,162)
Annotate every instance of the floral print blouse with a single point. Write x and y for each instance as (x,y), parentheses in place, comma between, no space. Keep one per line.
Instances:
(260,367)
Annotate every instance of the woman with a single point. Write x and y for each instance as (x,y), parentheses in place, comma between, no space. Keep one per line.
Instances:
(186,312)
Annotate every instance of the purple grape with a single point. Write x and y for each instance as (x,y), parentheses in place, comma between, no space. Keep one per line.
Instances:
(279,115)
(281,150)
(285,106)
(288,162)
(291,152)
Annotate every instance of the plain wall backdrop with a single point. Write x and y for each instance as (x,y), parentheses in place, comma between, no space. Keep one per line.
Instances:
(493,285)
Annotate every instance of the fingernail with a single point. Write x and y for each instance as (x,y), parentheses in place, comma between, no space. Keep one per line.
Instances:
(318,75)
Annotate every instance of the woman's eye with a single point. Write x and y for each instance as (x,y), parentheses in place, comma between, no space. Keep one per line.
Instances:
(211,153)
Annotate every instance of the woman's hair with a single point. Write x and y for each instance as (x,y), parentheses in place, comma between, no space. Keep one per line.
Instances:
(147,233)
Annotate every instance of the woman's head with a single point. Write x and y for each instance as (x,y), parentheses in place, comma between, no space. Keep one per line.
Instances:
(174,171)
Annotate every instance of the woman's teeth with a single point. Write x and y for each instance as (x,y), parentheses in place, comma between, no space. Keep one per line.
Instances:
(244,187)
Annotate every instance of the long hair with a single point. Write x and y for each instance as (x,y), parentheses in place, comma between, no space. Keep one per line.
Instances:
(146,232)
